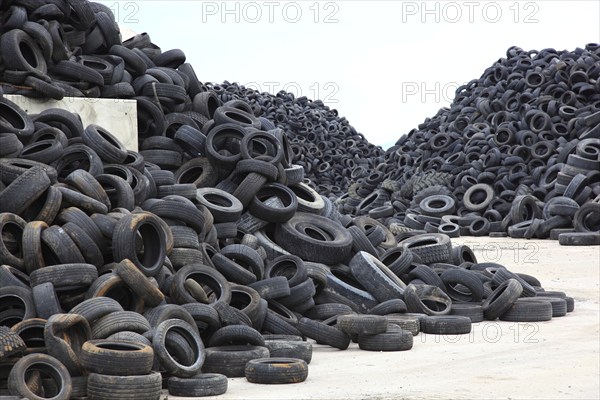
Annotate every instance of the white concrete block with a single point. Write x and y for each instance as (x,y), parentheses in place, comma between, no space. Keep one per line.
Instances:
(118,116)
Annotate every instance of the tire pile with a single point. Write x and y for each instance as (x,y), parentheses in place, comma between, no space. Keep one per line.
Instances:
(204,256)
(517,153)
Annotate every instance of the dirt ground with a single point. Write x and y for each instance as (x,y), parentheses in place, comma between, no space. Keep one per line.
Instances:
(558,359)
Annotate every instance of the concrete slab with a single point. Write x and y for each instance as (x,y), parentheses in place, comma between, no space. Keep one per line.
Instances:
(118,116)
(559,359)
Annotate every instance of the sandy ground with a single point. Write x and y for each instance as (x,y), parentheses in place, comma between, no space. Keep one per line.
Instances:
(559,359)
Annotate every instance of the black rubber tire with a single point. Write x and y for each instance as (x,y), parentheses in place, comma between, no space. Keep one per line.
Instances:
(231,360)
(389,307)
(479,203)
(114,357)
(332,246)
(236,335)
(362,324)
(471,310)
(501,299)
(167,361)
(468,279)
(387,341)
(324,334)
(50,366)
(205,275)
(374,276)
(109,387)
(119,321)
(261,209)
(431,247)
(528,311)
(153,236)
(108,147)
(421,298)
(276,370)
(446,325)
(272,288)
(24,190)
(290,349)
(579,239)
(96,307)
(65,277)
(45,300)
(289,266)
(200,385)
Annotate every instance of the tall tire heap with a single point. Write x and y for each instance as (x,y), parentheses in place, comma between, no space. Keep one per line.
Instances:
(517,153)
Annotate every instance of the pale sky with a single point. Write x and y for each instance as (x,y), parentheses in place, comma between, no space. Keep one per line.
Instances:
(384,65)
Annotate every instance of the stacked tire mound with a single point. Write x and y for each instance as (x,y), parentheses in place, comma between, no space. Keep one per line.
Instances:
(73,48)
(329,149)
(120,277)
(517,153)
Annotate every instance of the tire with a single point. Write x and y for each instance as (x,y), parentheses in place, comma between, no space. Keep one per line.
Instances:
(289,266)
(96,307)
(231,360)
(219,287)
(167,361)
(107,146)
(387,341)
(115,357)
(332,245)
(50,366)
(11,343)
(86,246)
(431,248)
(528,311)
(153,236)
(24,190)
(389,307)
(473,311)
(109,387)
(468,279)
(276,370)
(272,288)
(397,259)
(236,335)
(223,206)
(406,322)
(139,283)
(362,324)
(324,334)
(119,321)
(290,349)
(415,297)
(502,274)
(446,325)
(65,277)
(437,205)
(579,239)
(200,385)
(478,197)
(376,277)
(264,211)
(45,300)
(501,299)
